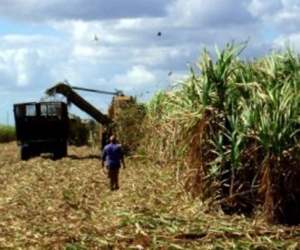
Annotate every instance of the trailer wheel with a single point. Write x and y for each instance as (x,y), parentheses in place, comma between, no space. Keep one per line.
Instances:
(60,151)
(25,153)
(64,148)
(34,150)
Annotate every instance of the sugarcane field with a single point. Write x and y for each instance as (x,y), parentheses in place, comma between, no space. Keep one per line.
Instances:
(211,163)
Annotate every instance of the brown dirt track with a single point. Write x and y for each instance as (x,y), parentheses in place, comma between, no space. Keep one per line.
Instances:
(66,204)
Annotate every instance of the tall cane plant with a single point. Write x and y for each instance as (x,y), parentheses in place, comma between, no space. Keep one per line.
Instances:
(233,128)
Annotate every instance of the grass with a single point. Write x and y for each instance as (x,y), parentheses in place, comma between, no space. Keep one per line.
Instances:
(7,133)
(66,204)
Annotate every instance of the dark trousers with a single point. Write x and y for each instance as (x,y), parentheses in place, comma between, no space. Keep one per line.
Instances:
(113,175)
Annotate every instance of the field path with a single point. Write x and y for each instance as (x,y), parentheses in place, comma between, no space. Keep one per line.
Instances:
(66,204)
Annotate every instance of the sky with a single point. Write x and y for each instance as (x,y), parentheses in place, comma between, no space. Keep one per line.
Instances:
(46,42)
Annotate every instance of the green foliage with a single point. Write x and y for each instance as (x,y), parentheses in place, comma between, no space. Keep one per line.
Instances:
(83,132)
(234,125)
(128,126)
(7,133)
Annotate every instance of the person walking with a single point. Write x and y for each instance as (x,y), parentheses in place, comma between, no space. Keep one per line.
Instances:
(112,157)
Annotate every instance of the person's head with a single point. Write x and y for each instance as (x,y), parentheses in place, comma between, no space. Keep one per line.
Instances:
(113,139)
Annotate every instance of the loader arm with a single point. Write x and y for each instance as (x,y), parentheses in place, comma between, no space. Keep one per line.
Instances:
(81,103)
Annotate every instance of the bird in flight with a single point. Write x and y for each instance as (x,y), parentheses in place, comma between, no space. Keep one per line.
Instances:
(159,33)
(170,73)
(96,38)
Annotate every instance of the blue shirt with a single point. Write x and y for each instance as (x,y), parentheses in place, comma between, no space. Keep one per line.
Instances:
(112,154)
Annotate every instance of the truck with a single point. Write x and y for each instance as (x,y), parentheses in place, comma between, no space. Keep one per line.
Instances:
(42,127)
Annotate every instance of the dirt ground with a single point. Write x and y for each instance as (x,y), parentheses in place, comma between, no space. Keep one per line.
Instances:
(66,204)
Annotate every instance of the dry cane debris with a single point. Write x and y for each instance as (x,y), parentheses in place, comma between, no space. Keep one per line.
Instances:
(66,204)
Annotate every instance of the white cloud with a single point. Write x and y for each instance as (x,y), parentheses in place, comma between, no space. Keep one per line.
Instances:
(290,4)
(16,65)
(91,53)
(261,8)
(209,13)
(36,10)
(128,54)
(292,41)
(288,21)
(136,78)
(281,15)
(26,61)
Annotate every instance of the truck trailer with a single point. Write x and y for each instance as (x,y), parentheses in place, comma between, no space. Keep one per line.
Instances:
(42,127)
